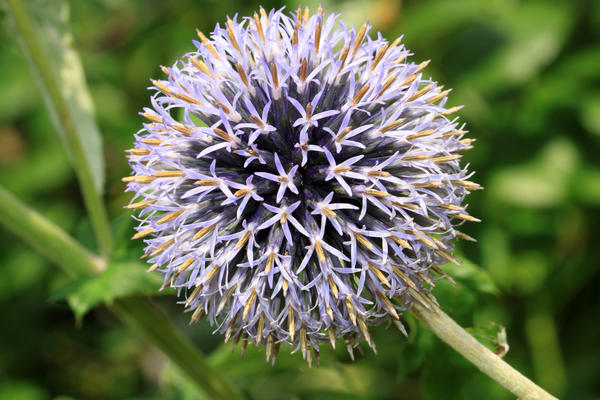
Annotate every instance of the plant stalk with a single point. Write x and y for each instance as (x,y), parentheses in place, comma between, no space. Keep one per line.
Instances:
(41,65)
(146,320)
(135,312)
(479,355)
(46,237)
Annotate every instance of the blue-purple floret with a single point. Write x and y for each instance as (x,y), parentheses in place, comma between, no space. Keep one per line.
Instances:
(298,180)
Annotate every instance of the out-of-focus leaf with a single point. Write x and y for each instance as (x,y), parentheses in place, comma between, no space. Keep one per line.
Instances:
(471,276)
(534,33)
(590,114)
(21,269)
(52,41)
(448,376)
(120,279)
(568,85)
(541,182)
(21,390)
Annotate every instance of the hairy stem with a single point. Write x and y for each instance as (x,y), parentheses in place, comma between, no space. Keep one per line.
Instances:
(135,312)
(479,355)
(151,325)
(42,67)
(46,237)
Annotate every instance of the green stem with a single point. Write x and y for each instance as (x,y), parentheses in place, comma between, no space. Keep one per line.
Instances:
(41,64)
(46,237)
(479,355)
(139,315)
(151,325)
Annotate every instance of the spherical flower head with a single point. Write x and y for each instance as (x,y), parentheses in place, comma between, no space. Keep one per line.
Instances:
(298,180)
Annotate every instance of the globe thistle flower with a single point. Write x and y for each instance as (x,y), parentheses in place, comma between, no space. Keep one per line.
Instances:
(298,180)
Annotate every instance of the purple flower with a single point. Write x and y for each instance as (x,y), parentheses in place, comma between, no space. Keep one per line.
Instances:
(298,180)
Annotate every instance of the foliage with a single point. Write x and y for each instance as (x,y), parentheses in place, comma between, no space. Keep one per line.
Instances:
(527,72)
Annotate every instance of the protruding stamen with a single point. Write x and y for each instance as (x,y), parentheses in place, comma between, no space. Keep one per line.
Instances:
(222,134)
(439,96)
(269,263)
(201,65)
(319,250)
(420,93)
(379,56)
(386,85)
(409,80)
(388,305)
(385,174)
(443,159)
(153,267)
(448,257)
(231,35)
(365,332)
(208,45)
(197,315)
(340,136)
(350,309)
(426,279)
(153,118)
(169,174)
(332,286)
(269,347)
(259,27)
(423,238)
(359,38)
(360,94)
(401,242)
(331,335)
(241,192)
(162,247)
(193,296)
(303,70)
(225,109)
(362,240)
(185,265)
(242,74)
(421,134)
(213,271)
(260,327)
(318,29)
(273,68)
(464,236)
(206,182)
(154,142)
(443,274)
(466,217)
(342,168)
(379,274)
(170,216)
(144,178)
(404,278)
(467,184)
(376,193)
(417,157)
(169,92)
(142,234)
(291,326)
(249,303)
(140,205)
(243,240)
(309,110)
(391,125)
(139,152)
(343,57)
(422,66)
(225,298)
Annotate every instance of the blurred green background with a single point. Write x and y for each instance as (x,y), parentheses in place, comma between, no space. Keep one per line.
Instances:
(528,73)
